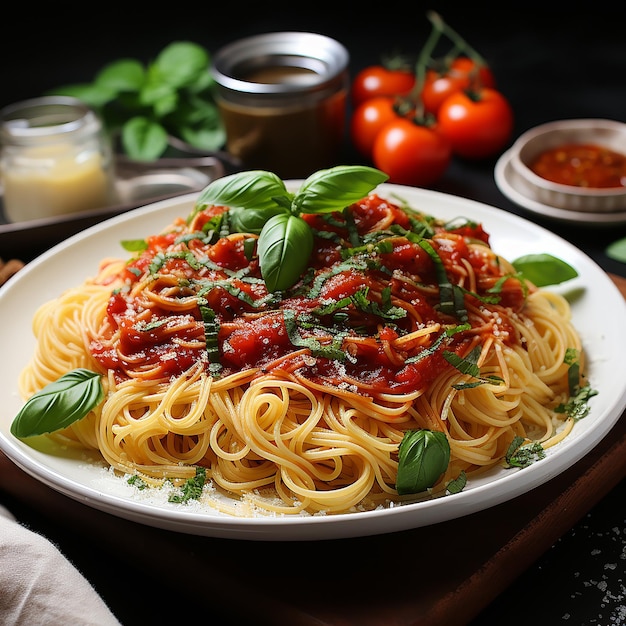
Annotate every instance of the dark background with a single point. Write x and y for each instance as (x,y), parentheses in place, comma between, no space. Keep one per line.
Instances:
(551,60)
(551,63)
(539,53)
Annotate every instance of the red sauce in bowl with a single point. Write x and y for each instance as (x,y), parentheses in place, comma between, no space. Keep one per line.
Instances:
(582,165)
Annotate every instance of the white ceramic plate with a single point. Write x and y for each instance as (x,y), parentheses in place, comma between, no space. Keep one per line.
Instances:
(505,181)
(599,312)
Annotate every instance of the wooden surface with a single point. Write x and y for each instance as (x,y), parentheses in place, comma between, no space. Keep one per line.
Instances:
(438,575)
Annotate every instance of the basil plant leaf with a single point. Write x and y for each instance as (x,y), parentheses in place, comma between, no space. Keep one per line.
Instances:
(124,75)
(255,189)
(423,456)
(181,63)
(284,247)
(544,269)
(143,139)
(59,404)
(208,136)
(334,189)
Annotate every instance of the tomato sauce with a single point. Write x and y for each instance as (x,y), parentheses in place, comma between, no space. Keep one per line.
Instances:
(161,329)
(582,165)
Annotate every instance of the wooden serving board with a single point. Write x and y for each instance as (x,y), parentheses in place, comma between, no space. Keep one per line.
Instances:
(366,581)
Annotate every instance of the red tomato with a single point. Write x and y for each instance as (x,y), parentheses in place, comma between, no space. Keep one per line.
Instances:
(469,66)
(437,87)
(378,80)
(367,121)
(411,154)
(462,74)
(477,124)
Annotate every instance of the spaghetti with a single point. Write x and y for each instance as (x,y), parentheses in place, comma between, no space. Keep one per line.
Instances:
(297,401)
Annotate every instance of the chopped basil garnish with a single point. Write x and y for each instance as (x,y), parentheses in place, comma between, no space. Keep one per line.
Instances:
(577,405)
(519,455)
(192,489)
(451,297)
(211,331)
(456,485)
(469,365)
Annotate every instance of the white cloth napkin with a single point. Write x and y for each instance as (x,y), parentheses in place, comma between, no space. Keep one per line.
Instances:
(39,585)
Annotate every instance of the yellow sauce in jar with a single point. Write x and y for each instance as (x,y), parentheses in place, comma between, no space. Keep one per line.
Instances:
(55,159)
(52,180)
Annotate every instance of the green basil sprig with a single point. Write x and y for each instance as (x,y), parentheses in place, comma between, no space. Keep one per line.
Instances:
(423,456)
(260,203)
(59,404)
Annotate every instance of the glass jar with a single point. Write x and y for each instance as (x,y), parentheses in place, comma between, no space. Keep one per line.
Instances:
(282,98)
(55,159)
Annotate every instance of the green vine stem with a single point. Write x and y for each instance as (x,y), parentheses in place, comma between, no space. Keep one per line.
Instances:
(413,102)
(460,44)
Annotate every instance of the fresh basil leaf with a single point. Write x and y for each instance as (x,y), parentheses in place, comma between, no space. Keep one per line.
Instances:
(59,404)
(544,269)
(617,250)
(134,245)
(253,220)
(334,189)
(284,247)
(255,189)
(423,456)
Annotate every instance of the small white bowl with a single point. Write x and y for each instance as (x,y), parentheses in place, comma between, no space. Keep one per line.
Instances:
(606,133)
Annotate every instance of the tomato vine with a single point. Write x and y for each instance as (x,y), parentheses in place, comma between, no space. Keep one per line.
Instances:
(453,109)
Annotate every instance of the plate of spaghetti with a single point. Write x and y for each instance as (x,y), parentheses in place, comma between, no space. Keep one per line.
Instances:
(303,360)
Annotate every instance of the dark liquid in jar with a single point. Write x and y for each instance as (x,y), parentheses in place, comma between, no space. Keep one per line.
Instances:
(277,74)
(292,139)
(582,165)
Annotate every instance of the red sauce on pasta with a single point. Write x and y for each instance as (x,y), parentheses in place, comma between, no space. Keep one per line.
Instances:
(582,165)
(349,301)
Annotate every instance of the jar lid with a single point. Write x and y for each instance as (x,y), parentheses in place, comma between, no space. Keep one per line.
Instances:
(46,118)
(323,63)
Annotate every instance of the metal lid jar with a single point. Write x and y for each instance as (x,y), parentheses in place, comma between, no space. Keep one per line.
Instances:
(282,97)
(55,159)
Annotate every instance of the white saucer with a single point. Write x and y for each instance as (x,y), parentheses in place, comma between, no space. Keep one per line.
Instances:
(505,182)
